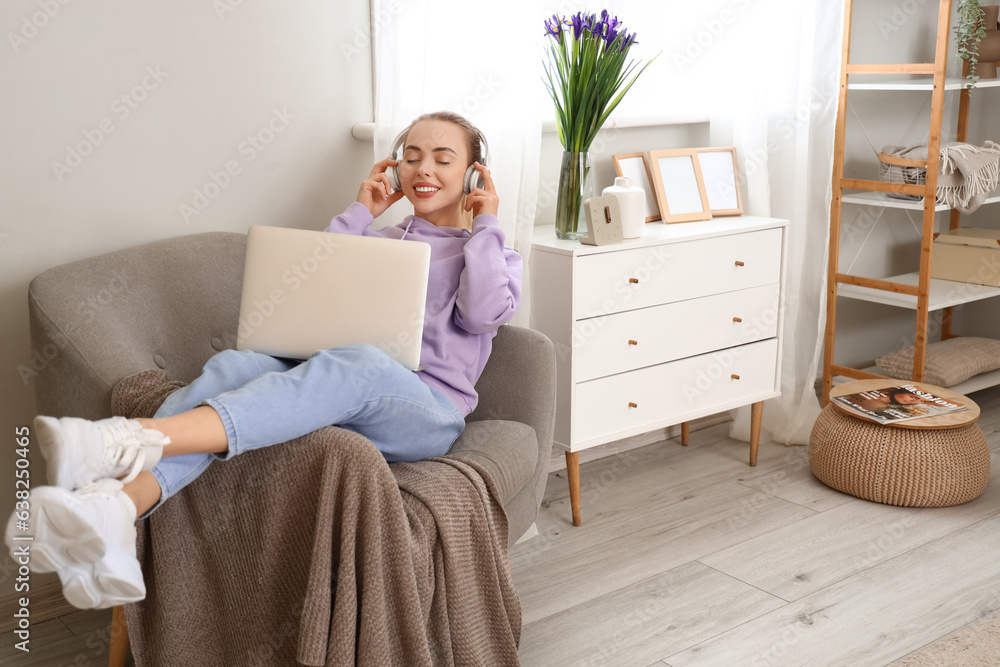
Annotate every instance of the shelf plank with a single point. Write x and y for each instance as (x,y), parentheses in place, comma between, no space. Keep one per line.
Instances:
(892,68)
(943,293)
(919,83)
(883,200)
(882,186)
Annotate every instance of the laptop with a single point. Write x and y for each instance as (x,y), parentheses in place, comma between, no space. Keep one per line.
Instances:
(305,291)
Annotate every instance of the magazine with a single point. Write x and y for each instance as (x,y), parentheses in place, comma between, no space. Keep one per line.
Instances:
(896,404)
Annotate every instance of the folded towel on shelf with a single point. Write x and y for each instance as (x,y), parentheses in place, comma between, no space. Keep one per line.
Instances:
(967,173)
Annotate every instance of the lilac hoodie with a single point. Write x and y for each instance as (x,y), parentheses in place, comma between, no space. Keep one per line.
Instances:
(473,288)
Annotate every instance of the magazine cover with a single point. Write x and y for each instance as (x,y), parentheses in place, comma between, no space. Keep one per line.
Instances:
(896,404)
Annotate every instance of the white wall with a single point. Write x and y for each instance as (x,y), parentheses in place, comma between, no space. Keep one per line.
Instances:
(220,76)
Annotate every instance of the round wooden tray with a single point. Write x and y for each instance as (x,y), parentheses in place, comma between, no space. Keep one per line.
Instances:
(951,420)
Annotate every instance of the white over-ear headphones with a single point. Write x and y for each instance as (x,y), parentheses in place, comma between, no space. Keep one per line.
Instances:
(473,179)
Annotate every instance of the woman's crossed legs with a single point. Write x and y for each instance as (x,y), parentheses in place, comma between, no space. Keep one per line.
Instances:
(84,524)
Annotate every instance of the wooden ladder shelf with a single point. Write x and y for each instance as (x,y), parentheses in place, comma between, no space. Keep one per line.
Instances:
(835,278)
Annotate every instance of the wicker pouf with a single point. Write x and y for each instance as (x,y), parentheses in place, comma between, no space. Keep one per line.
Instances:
(899,466)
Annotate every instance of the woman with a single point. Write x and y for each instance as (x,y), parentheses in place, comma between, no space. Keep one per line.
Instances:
(104,474)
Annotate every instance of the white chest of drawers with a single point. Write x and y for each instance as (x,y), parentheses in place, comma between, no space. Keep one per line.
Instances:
(679,324)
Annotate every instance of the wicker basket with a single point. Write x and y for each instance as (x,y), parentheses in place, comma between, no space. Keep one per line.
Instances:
(901,170)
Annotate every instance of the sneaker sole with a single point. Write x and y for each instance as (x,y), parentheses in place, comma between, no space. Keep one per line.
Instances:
(63,536)
(85,590)
(53,446)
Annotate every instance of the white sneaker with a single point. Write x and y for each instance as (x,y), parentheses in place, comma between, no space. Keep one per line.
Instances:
(112,581)
(80,451)
(88,537)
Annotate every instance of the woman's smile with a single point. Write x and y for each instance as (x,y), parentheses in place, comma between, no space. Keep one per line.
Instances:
(425,190)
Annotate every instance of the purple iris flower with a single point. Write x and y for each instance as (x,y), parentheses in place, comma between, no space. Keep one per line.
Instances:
(605,27)
(612,35)
(554,27)
(599,29)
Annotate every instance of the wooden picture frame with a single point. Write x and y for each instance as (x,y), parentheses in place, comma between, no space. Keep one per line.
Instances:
(680,189)
(721,173)
(636,167)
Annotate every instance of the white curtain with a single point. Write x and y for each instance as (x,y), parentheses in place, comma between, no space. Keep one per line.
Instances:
(432,55)
(765,72)
(781,115)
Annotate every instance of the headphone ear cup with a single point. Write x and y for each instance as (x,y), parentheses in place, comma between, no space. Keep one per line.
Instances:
(473,179)
(393,174)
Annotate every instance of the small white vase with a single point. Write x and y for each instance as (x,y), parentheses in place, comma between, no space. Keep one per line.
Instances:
(632,202)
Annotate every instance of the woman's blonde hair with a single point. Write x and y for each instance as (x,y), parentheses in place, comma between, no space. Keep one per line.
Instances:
(472,135)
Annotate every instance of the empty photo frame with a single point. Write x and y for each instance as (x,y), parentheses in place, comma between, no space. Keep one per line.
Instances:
(722,180)
(634,166)
(680,190)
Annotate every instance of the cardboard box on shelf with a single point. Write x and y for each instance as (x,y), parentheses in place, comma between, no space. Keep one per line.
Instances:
(968,255)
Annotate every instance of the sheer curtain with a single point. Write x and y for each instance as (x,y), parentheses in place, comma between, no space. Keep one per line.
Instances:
(431,55)
(780,113)
(764,71)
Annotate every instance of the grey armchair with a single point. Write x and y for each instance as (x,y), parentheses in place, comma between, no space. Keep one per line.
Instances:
(174,303)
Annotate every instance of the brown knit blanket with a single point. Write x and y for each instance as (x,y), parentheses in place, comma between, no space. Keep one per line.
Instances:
(317,552)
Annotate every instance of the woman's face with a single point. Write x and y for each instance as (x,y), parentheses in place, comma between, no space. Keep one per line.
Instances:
(907,399)
(432,171)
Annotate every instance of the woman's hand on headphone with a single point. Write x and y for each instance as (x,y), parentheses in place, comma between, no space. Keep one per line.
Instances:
(483,201)
(376,191)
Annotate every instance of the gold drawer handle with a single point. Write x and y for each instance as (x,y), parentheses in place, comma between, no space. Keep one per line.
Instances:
(632,405)
(634,281)
(737,319)
(735,376)
(633,342)
(739,263)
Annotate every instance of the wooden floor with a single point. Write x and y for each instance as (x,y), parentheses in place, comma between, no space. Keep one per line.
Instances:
(687,556)
(76,639)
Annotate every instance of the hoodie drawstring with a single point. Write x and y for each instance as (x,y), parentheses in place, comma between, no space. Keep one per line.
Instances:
(406,230)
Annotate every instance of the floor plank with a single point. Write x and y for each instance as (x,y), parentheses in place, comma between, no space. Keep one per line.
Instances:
(45,602)
(818,551)
(646,481)
(637,624)
(40,635)
(633,549)
(874,617)
(795,483)
(87,620)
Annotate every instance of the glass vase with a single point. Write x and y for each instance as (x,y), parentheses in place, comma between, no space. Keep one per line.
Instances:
(575,186)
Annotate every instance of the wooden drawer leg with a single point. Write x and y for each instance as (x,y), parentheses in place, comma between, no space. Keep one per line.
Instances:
(685,433)
(756,413)
(119,638)
(573,475)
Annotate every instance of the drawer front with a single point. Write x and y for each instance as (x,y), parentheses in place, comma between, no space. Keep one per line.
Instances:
(669,391)
(626,279)
(625,341)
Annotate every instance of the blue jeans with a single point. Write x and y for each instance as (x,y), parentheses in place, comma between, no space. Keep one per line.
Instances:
(263,400)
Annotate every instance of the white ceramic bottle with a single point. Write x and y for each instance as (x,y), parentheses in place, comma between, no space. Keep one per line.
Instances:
(632,202)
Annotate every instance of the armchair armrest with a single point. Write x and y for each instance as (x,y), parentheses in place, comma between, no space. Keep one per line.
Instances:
(519,384)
